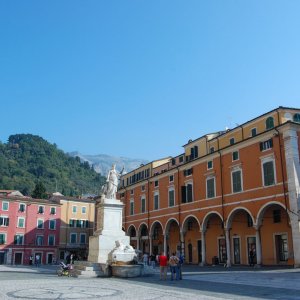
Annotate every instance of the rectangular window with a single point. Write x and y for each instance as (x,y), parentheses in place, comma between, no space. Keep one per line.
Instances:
(83,210)
(236,181)
(4,221)
(52,224)
(212,150)
(173,161)
(21,222)
(18,239)
(231,141)
(131,192)
(2,238)
(188,172)
(82,238)
(171,178)
(156,183)
(210,187)
(189,192)
(72,223)
(269,176)
(266,145)
(73,238)
(39,240)
(156,201)
(51,240)
(22,207)
(180,159)
(235,155)
(52,210)
(41,209)
(253,132)
(131,207)
(5,205)
(276,216)
(74,209)
(143,188)
(209,165)
(40,224)
(143,204)
(171,197)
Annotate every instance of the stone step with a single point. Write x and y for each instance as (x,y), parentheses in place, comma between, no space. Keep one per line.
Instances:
(95,267)
(87,274)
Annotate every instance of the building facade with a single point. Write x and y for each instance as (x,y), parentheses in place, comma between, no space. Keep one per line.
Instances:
(28,227)
(228,195)
(77,225)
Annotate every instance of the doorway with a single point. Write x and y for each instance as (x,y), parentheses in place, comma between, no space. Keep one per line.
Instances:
(2,258)
(199,244)
(236,251)
(281,244)
(222,250)
(49,258)
(18,258)
(251,245)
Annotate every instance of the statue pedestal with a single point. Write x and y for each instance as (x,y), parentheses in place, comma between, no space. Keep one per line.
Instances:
(108,230)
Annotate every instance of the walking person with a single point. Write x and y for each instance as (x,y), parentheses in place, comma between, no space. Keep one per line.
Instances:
(180,263)
(30,260)
(173,262)
(37,260)
(145,259)
(163,265)
(152,261)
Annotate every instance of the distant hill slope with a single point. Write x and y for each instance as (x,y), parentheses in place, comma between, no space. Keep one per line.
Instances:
(102,162)
(27,158)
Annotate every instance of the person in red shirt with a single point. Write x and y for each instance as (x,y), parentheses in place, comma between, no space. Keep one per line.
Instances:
(163,264)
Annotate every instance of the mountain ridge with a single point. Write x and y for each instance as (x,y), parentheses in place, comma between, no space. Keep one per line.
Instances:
(102,162)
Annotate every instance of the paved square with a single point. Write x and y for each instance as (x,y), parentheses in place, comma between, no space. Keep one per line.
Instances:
(198,283)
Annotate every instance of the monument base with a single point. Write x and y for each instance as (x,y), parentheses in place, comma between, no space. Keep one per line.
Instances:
(100,247)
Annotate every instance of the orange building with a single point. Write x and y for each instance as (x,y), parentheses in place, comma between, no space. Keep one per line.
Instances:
(230,194)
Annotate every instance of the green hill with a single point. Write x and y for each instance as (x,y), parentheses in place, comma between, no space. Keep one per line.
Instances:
(27,159)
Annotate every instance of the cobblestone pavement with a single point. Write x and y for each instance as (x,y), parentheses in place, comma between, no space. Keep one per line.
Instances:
(198,283)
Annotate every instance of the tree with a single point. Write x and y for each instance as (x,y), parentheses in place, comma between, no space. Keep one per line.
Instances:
(39,191)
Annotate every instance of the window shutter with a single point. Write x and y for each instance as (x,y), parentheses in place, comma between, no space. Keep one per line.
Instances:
(7,221)
(261,146)
(183,194)
(191,170)
(271,143)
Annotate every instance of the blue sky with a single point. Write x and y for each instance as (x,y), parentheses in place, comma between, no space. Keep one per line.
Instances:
(141,78)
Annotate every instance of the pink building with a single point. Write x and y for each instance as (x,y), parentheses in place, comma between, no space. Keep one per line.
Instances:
(28,227)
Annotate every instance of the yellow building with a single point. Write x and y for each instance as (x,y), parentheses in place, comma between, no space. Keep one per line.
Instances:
(77,225)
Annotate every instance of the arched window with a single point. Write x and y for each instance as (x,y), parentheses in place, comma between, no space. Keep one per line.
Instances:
(296,118)
(269,123)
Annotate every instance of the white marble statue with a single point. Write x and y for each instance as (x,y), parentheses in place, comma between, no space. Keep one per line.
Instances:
(123,253)
(111,186)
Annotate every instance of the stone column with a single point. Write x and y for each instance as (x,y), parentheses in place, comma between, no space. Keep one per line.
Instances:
(182,241)
(138,243)
(150,244)
(203,263)
(291,151)
(165,243)
(228,249)
(258,246)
